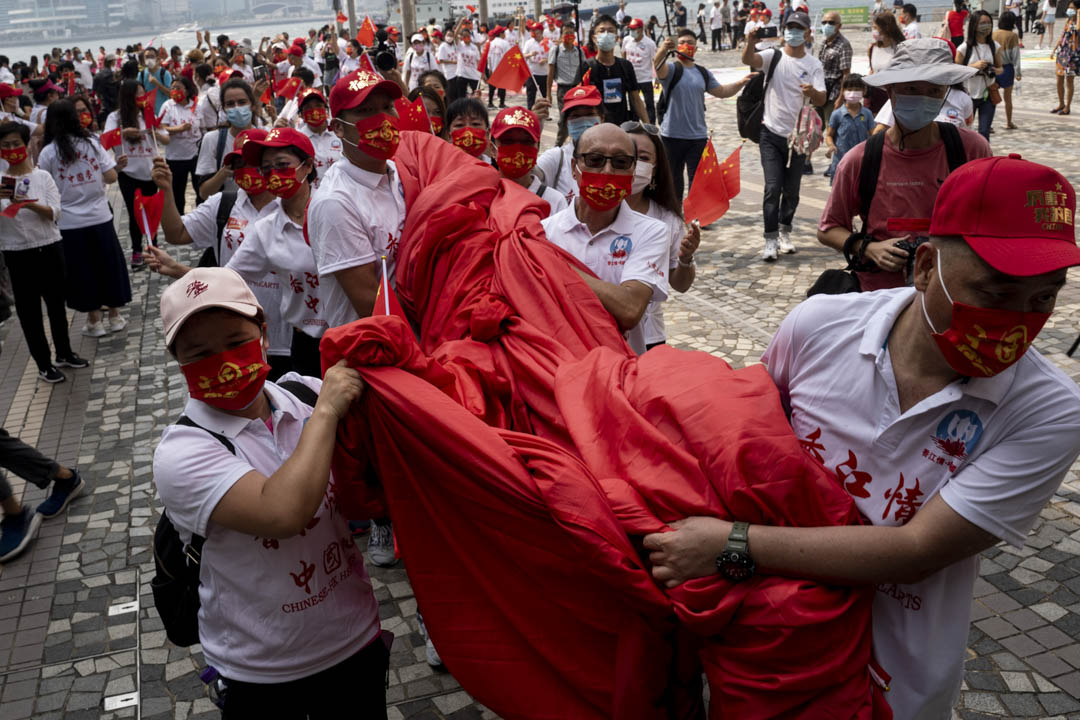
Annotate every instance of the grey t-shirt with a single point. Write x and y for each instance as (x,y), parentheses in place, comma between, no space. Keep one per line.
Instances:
(685,117)
(566,63)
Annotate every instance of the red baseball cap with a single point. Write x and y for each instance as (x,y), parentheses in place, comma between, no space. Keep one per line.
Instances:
(296,50)
(580,95)
(276,138)
(1015,214)
(516,118)
(353,89)
(496,31)
(636,23)
(7,91)
(309,93)
(240,140)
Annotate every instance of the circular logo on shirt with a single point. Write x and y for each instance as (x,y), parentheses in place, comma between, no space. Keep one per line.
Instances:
(621,246)
(958,433)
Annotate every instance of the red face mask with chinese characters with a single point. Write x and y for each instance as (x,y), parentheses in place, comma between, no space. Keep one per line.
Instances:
(314,116)
(85,118)
(229,380)
(178,96)
(686,49)
(603,191)
(470,139)
(283,182)
(981,342)
(436,124)
(515,160)
(378,135)
(250,180)
(13,156)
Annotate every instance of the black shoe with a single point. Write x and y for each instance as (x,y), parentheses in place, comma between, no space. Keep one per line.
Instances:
(52,375)
(72,361)
(807,169)
(491,105)
(502,106)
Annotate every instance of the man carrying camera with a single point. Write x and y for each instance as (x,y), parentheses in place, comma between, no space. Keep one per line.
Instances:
(914,161)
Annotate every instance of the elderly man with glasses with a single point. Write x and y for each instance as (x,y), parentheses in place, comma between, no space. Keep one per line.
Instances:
(835,57)
(627,251)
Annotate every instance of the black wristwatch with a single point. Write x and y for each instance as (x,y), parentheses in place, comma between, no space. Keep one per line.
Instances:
(735,562)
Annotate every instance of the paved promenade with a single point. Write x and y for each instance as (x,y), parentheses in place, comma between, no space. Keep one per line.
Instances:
(79,637)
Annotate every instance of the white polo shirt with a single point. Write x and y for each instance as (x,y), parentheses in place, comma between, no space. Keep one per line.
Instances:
(355,217)
(327,148)
(560,178)
(633,247)
(201,225)
(81,184)
(553,197)
(447,57)
(276,244)
(653,322)
(272,611)
(995,448)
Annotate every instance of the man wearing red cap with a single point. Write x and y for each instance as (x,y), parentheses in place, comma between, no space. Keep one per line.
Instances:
(515,132)
(639,49)
(536,59)
(948,431)
(315,125)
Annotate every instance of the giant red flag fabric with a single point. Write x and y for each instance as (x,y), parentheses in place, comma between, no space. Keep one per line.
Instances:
(512,73)
(412,115)
(148,212)
(287,87)
(713,187)
(366,34)
(342,18)
(110,139)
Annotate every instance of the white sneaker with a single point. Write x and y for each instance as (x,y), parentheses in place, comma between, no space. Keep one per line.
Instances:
(95,330)
(432,654)
(118,323)
(786,246)
(381,545)
(769,253)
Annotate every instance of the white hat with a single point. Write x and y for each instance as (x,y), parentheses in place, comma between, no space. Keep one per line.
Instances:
(201,289)
(417,38)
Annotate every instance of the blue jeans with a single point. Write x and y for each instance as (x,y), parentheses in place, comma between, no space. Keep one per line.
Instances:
(985,111)
(783,176)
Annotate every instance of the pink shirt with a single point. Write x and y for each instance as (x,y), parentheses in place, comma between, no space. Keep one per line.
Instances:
(907,186)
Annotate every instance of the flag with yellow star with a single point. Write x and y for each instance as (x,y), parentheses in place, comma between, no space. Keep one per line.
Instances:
(714,185)
(512,73)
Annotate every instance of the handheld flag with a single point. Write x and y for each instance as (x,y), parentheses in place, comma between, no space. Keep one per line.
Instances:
(482,66)
(110,139)
(512,72)
(412,115)
(713,187)
(365,64)
(149,212)
(71,85)
(366,34)
(386,301)
(342,18)
(287,87)
(470,8)
(13,208)
(267,96)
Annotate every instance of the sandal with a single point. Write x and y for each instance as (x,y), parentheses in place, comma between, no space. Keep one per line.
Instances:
(1058,109)
(1011,126)
(1064,112)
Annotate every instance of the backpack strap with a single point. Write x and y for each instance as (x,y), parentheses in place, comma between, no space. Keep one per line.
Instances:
(301,391)
(220,154)
(193,550)
(542,189)
(225,206)
(772,68)
(868,174)
(954,145)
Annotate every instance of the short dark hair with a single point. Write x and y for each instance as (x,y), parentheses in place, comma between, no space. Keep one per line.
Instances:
(604,17)
(435,74)
(1007,21)
(467,106)
(306,76)
(686,32)
(909,9)
(222,39)
(4,60)
(14,128)
(854,81)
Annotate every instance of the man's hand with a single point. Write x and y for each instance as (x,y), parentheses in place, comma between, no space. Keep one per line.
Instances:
(807,88)
(541,108)
(839,102)
(161,174)
(886,255)
(260,88)
(689,551)
(669,44)
(752,37)
(341,387)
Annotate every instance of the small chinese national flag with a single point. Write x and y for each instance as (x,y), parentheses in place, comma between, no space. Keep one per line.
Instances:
(386,300)
(148,212)
(365,64)
(110,139)
(13,209)
(713,187)
(366,34)
(412,115)
(267,97)
(342,18)
(470,8)
(287,87)
(147,99)
(512,72)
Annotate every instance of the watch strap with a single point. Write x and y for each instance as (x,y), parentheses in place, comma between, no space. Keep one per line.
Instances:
(739,537)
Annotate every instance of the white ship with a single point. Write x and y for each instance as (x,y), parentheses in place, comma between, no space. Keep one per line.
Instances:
(507,8)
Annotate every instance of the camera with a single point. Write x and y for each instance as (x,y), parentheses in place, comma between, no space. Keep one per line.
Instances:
(260,73)
(384,53)
(769,31)
(910,246)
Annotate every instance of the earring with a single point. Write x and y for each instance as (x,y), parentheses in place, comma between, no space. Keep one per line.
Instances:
(652,185)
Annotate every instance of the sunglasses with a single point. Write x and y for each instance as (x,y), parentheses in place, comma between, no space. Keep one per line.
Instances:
(597,161)
(828,22)
(635,125)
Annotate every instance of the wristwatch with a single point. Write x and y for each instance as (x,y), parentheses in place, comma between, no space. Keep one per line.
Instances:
(735,562)
(689,264)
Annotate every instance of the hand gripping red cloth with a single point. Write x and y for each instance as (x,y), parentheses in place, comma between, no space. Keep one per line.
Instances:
(522,548)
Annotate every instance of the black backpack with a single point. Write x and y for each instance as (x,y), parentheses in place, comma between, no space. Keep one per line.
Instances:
(750,105)
(175,584)
(210,258)
(838,282)
(676,76)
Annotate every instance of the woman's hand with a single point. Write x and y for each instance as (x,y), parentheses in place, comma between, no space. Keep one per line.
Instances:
(133,134)
(689,551)
(690,242)
(163,263)
(121,162)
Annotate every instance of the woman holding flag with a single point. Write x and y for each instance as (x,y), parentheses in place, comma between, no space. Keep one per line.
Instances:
(139,140)
(181,120)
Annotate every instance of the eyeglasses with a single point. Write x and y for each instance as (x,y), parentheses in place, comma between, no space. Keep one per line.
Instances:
(828,22)
(635,125)
(597,161)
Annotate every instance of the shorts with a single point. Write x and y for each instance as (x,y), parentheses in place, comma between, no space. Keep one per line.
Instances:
(1065,71)
(1007,77)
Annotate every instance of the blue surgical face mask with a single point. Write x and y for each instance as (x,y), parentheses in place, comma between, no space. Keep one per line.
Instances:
(1071,12)
(576,127)
(828,30)
(794,37)
(914,112)
(605,41)
(239,117)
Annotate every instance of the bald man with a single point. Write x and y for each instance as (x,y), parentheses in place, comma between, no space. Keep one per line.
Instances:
(627,251)
(835,57)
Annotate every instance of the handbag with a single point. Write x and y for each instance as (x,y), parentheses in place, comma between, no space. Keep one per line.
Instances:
(993,93)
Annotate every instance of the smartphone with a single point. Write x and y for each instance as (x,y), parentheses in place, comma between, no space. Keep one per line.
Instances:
(260,72)
(769,31)
(8,183)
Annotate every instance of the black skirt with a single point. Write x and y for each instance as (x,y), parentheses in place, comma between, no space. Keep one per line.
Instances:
(97,275)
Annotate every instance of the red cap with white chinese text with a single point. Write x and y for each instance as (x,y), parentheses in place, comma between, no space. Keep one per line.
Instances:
(1016,215)
(352,89)
(516,118)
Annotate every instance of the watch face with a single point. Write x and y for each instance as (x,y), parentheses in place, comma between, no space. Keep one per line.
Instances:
(736,566)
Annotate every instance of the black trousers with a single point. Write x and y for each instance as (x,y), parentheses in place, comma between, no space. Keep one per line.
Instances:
(304,351)
(24,461)
(491,95)
(181,170)
(683,155)
(717,38)
(128,186)
(357,684)
(37,275)
(531,86)
(646,90)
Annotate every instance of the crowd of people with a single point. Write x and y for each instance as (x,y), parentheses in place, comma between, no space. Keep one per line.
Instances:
(288,149)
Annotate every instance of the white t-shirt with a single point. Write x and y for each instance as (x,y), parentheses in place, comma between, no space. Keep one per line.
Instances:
(272,611)
(562,179)
(958,109)
(911,30)
(640,55)
(276,244)
(185,145)
(208,163)
(327,148)
(348,64)
(498,48)
(84,70)
(6,76)
(653,321)
(881,57)
(783,96)
(140,155)
(535,57)
(995,449)
(37,114)
(28,230)
(716,18)
(633,247)
(81,184)
(553,197)
(976,84)
(355,217)
(468,61)
(209,108)
(201,225)
(447,57)
(418,64)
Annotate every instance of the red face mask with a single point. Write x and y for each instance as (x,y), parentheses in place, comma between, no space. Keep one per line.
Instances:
(314,116)
(436,124)
(86,119)
(178,96)
(515,160)
(140,101)
(378,135)
(603,191)
(686,49)
(250,180)
(283,183)
(981,342)
(471,140)
(13,156)
(229,380)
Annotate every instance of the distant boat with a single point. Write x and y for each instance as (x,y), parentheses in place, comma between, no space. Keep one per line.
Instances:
(507,8)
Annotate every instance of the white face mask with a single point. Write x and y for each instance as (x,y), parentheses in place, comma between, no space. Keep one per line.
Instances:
(643,172)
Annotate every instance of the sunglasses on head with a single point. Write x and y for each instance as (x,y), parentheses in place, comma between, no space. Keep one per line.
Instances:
(597,161)
(635,125)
